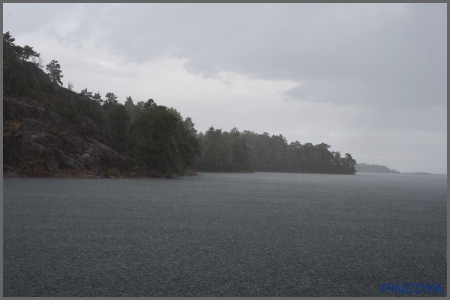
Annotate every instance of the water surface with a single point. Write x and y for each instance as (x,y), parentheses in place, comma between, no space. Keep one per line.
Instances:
(262,234)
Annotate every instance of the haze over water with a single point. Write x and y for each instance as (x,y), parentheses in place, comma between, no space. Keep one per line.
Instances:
(261,234)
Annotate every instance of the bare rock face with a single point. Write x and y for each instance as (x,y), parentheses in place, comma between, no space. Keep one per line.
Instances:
(38,142)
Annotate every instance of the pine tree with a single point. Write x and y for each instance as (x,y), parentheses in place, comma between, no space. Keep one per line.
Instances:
(54,71)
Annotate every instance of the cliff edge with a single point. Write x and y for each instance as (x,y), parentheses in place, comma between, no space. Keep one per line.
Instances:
(50,131)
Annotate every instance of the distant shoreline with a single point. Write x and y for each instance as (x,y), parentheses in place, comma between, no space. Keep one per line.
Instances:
(419,173)
(371,168)
(400,173)
(86,174)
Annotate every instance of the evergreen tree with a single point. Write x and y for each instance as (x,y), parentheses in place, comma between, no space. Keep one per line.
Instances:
(27,52)
(161,142)
(118,121)
(87,94)
(348,164)
(97,98)
(189,125)
(24,53)
(129,106)
(54,72)
(110,101)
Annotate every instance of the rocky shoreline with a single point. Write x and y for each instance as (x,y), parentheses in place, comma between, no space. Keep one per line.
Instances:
(9,172)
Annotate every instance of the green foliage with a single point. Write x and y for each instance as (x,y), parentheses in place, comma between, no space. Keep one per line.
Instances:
(24,79)
(28,52)
(274,154)
(348,164)
(16,71)
(189,125)
(364,167)
(37,61)
(87,94)
(235,151)
(92,111)
(129,105)
(132,109)
(97,98)
(161,142)
(54,72)
(222,151)
(24,53)
(110,101)
(16,82)
(11,63)
(175,113)
(111,98)
(8,40)
(118,123)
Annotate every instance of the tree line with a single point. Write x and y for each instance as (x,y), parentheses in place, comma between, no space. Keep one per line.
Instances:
(248,151)
(363,167)
(161,140)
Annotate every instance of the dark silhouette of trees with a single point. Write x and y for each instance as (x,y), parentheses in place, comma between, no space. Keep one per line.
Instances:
(363,167)
(97,98)
(161,142)
(110,102)
(265,153)
(24,53)
(223,152)
(27,52)
(348,164)
(130,107)
(87,94)
(119,123)
(54,72)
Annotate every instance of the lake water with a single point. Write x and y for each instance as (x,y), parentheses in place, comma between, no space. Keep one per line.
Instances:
(261,234)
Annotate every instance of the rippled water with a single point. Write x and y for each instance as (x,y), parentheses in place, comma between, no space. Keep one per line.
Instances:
(261,234)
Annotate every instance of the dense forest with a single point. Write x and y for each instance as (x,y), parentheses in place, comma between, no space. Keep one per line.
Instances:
(236,151)
(141,135)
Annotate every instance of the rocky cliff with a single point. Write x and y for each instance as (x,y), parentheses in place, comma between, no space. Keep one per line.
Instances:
(50,131)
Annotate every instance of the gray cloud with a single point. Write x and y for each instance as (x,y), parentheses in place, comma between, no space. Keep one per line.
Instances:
(370,42)
(35,14)
(395,53)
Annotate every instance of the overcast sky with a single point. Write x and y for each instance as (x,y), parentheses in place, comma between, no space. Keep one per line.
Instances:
(367,79)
